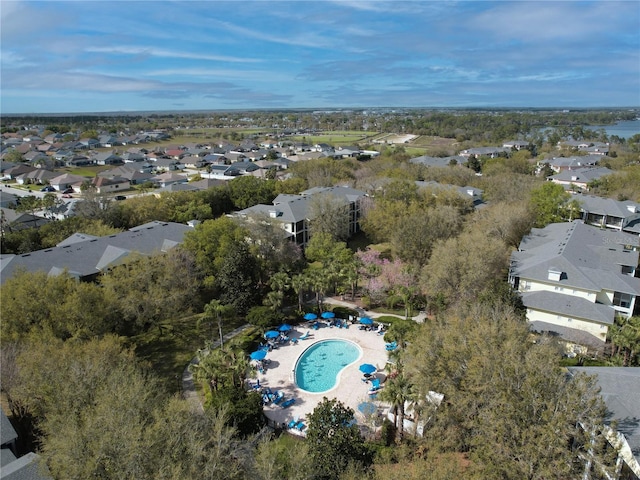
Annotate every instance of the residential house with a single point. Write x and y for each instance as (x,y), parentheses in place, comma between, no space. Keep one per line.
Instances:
(88,143)
(168,178)
(39,176)
(8,199)
(85,256)
(439,161)
(216,159)
(241,168)
(110,184)
(609,213)
(169,164)
(107,158)
(620,391)
(561,164)
(344,152)
(491,152)
(13,220)
(292,211)
(79,161)
(108,141)
(66,180)
(12,173)
(578,179)
(518,145)
(133,157)
(193,161)
(574,279)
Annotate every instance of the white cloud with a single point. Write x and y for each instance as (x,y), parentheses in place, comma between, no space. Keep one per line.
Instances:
(159,52)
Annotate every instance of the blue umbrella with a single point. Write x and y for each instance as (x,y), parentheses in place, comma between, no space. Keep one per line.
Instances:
(366,321)
(284,327)
(367,368)
(310,316)
(328,315)
(367,408)
(272,334)
(258,355)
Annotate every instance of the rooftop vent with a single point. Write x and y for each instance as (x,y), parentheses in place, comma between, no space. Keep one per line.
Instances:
(555,275)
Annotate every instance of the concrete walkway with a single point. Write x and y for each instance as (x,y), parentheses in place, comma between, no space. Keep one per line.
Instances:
(420,318)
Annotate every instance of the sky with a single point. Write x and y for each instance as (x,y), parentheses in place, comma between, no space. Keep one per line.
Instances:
(110,56)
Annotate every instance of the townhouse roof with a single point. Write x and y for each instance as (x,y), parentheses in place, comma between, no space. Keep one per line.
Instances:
(620,390)
(575,335)
(607,206)
(585,257)
(87,257)
(7,432)
(438,161)
(569,306)
(582,175)
(573,162)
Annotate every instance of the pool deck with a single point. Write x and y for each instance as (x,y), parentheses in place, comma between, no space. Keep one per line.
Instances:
(350,389)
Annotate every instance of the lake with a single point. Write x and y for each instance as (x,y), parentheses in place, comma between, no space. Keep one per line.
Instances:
(626,129)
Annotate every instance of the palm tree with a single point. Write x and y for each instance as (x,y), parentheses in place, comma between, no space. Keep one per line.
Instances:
(208,369)
(218,311)
(300,283)
(397,391)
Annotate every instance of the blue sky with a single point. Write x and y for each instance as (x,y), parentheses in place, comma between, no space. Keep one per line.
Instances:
(99,56)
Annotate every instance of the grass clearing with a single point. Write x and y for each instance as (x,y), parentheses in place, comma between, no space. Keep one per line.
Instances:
(169,351)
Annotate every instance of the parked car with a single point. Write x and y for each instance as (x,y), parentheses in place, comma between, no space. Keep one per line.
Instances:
(120,197)
(68,190)
(48,188)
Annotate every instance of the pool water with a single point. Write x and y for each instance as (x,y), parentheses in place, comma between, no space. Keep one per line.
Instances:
(318,367)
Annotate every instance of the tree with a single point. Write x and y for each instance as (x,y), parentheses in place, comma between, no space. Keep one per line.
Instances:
(397,392)
(210,242)
(263,317)
(625,339)
(148,291)
(506,401)
(247,191)
(269,243)
(57,305)
(300,283)
(462,267)
(334,440)
(329,215)
(216,311)
(550,204)
(237,278)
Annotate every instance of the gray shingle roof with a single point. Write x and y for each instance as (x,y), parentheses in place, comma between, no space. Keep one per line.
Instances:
(590,258)
(569,306)
(620,390)
(7,432)
(85,258)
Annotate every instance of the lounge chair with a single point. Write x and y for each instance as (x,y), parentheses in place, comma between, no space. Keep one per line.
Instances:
(279,397)
(300,426)
(375,386)
(292,424)
(306,335)
(288,403)
(391,346)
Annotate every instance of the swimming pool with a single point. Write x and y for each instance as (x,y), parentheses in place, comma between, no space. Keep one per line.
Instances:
(318,367)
